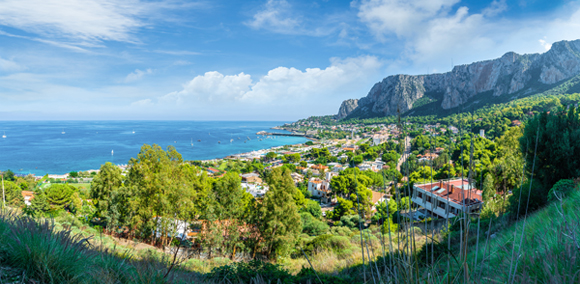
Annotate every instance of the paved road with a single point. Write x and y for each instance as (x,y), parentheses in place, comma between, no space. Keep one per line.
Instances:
(406,153)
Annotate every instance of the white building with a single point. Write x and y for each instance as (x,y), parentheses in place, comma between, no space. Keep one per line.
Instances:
(321,189)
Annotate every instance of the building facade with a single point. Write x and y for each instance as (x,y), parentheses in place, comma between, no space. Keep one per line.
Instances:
(448,198)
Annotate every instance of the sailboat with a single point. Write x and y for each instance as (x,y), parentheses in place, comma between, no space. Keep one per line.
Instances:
(4,136)
(112,152)
(231,140)
(63,131)
(191,142)
(133,131)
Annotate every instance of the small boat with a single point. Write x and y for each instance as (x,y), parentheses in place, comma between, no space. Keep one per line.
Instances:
(133,131)
(245,141)
(231,140)
(191,142)
(4,136)
(112,152)
(219,142)
(198,140)
(63,131)
(238,137)
(260,139)
(248,137)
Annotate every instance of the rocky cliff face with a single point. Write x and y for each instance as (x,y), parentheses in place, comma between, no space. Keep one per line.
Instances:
(346,107)
(503,76)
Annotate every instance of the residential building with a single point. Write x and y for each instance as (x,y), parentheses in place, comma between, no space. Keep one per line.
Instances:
(448,198)
(297,177)
(320,189)
(27,195)
(251,178)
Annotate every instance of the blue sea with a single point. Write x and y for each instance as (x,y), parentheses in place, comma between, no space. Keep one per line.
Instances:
(40,147)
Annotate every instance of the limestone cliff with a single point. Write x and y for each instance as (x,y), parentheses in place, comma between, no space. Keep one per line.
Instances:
(346,107)
(509,74)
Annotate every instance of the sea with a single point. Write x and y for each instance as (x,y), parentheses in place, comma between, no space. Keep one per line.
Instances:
(58,147)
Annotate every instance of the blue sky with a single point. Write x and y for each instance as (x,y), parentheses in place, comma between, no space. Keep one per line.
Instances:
(245,60)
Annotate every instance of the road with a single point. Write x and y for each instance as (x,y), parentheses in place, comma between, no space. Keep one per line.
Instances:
(406,153)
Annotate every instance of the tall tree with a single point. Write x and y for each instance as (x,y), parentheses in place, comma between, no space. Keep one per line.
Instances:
(104,187)
(280,222)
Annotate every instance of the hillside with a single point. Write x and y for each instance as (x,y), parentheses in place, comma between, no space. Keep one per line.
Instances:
(503,79)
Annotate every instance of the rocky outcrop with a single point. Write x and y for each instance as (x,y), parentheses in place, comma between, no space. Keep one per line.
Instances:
(506,75)
(346,108)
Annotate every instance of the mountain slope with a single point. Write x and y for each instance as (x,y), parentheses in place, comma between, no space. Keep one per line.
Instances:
(508,77)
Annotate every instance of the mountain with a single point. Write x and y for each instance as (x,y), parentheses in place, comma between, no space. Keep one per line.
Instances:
(470,86)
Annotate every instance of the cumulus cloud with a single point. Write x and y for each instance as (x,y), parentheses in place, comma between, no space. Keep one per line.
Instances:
(433,34)
(282,89)
(137,75)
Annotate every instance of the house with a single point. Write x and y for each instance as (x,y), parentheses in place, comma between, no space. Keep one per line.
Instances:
(319,167)
(251,178)
(329,175)
(321,189)
(448,198)
(379,197)
(297,177)
(254,189)
(27,195)
(516,123)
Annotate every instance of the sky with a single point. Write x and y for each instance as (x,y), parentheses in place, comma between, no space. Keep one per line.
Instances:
(245,60)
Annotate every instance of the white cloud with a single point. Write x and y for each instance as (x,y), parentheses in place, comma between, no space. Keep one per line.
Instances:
(431,35)
(283,90)
(399,17)
(275,16)
(83,20)
(137,75)
(141,103)
(10,66)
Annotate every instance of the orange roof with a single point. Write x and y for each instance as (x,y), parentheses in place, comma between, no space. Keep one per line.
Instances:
(319,167)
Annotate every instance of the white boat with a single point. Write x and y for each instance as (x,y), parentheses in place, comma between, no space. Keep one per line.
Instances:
(4,136)
(231,140)
(112,152)
(133,131)
(63,131)
(191,142)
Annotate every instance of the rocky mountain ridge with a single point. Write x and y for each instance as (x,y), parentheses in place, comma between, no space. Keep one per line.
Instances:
(511,74)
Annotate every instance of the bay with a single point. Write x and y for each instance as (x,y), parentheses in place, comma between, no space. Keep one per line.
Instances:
(40,147)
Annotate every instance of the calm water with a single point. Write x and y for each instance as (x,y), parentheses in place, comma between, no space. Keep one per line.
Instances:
(39,147)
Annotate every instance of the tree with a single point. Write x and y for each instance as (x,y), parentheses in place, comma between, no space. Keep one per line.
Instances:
(73,174)
(560,189)
(39,204)
(58,196)
(271,156)
(13,194)
(280,222)
(104,187)
(344,207)
(488,188)
(557,154)
(9,175)
(312,226)
(313,208)
(357,159)
(390,157)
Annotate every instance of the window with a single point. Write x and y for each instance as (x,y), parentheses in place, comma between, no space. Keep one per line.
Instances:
(429,199)
(420,195)
(442,204)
